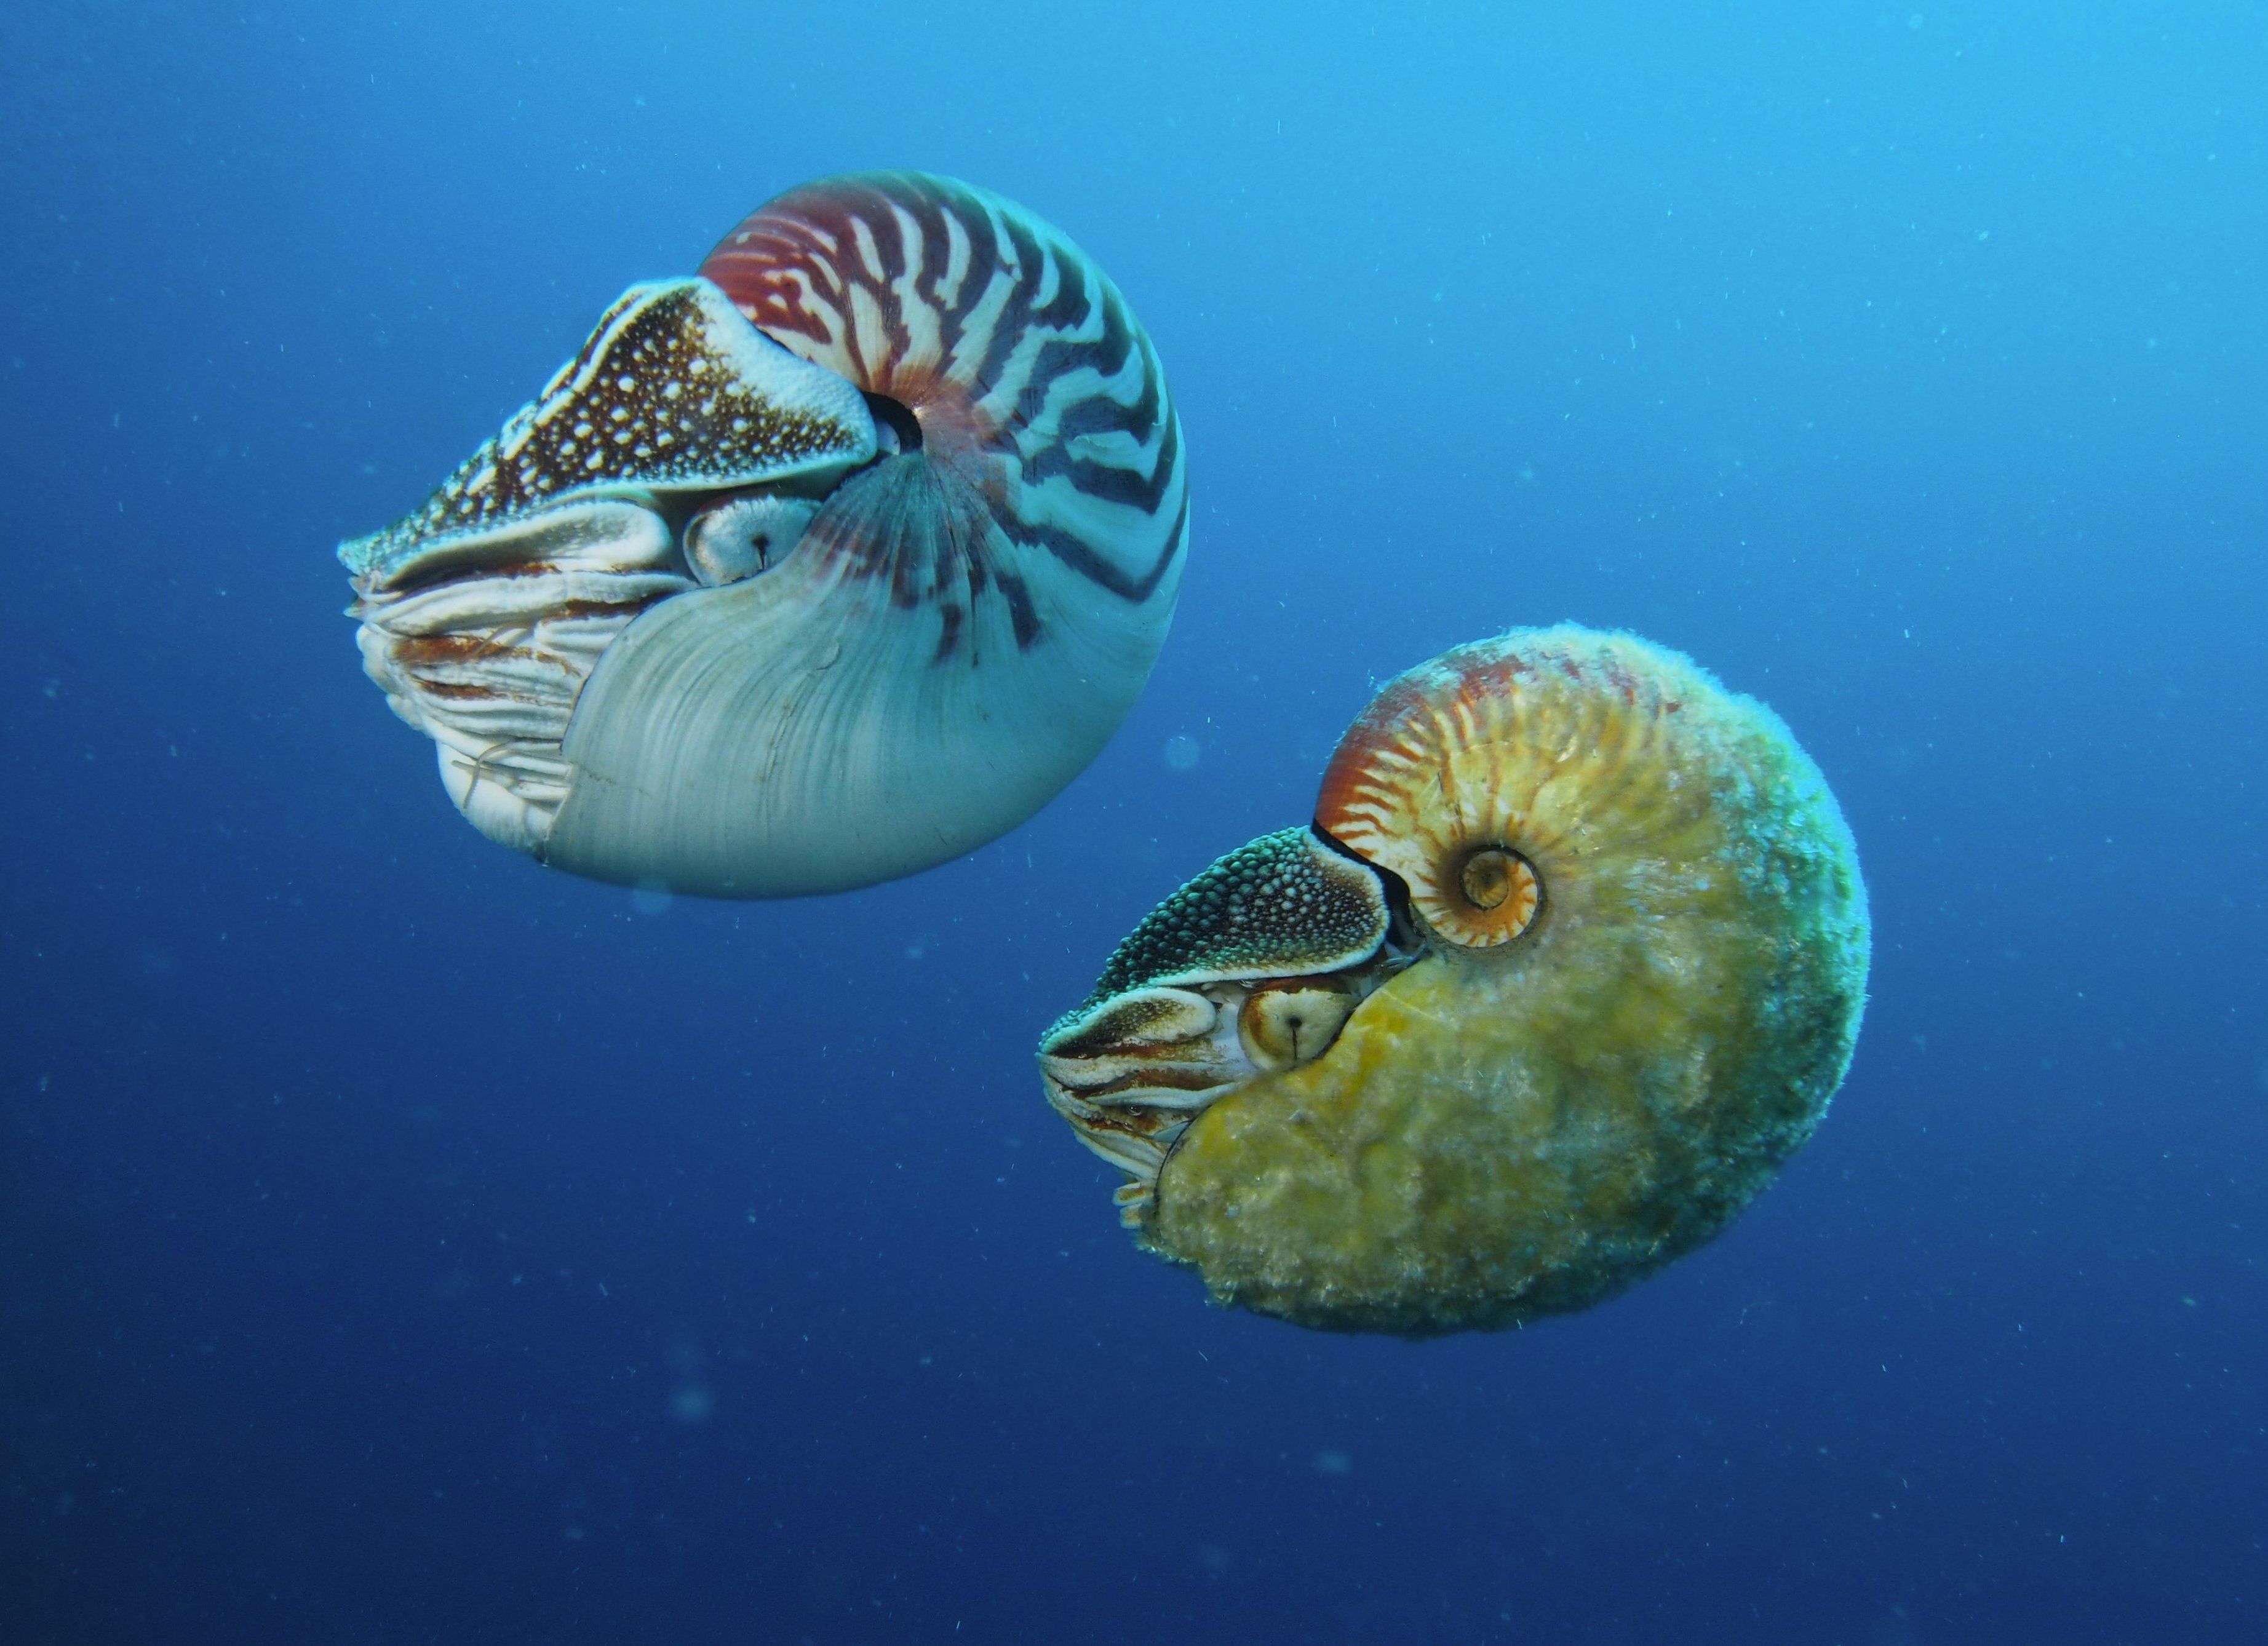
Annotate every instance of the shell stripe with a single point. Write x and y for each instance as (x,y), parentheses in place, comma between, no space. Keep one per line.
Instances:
(897,277)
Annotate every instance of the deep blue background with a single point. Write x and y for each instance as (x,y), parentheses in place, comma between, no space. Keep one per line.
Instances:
(399,1243)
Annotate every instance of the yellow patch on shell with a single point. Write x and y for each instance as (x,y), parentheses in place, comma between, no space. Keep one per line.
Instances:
(1506,759)
(1508,1129)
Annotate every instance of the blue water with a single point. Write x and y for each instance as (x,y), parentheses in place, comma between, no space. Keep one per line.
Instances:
(402,1243)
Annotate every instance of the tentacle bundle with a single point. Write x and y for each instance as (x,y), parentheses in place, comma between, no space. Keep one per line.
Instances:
(823,567)
(1622,978)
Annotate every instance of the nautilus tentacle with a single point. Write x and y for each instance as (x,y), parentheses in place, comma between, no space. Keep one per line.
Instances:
(823,567)
(1615,977)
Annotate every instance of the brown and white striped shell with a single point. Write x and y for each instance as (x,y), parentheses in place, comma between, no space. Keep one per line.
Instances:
(821,568)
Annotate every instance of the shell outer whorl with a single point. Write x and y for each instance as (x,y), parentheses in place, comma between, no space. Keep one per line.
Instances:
(672,390)
(964,622)
(1036,387)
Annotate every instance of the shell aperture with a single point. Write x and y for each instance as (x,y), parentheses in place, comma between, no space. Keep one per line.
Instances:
(1622,959)
(818,568)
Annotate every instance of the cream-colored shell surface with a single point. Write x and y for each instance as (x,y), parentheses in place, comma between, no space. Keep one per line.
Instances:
(1511,1129)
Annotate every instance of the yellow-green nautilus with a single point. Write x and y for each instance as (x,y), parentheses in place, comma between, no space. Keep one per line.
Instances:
(1569,962)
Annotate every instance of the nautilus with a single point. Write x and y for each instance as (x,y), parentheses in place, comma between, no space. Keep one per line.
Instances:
(821,566)
(1572,959)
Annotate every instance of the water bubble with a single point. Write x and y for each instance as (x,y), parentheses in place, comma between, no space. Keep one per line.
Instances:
(692,1403)
(1183,752)
(650,897)
(1330,1462)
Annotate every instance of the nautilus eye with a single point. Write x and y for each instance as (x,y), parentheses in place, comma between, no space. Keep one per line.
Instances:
(820,568)
(1590,968)
(1290,1023)
(743,536)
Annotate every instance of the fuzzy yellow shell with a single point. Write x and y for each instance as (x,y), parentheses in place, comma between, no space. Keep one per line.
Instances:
(1527,1121)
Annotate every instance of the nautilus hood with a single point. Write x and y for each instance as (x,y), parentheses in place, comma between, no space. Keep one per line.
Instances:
(823,566)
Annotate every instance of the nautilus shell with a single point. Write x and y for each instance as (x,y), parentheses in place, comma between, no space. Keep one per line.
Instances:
(1572,959)
(824,566)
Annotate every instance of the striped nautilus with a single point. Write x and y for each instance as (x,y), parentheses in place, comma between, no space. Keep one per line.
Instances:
(1572,959)
(823,567)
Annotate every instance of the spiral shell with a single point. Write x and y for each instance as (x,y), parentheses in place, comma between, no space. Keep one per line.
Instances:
(1481,777)
(1052,470)
(1619,978)
(823,567)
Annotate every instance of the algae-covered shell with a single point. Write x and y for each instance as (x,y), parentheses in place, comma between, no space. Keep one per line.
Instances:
(1621,978)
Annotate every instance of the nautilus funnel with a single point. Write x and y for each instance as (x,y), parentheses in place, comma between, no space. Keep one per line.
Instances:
(821,566)
(1572,959)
